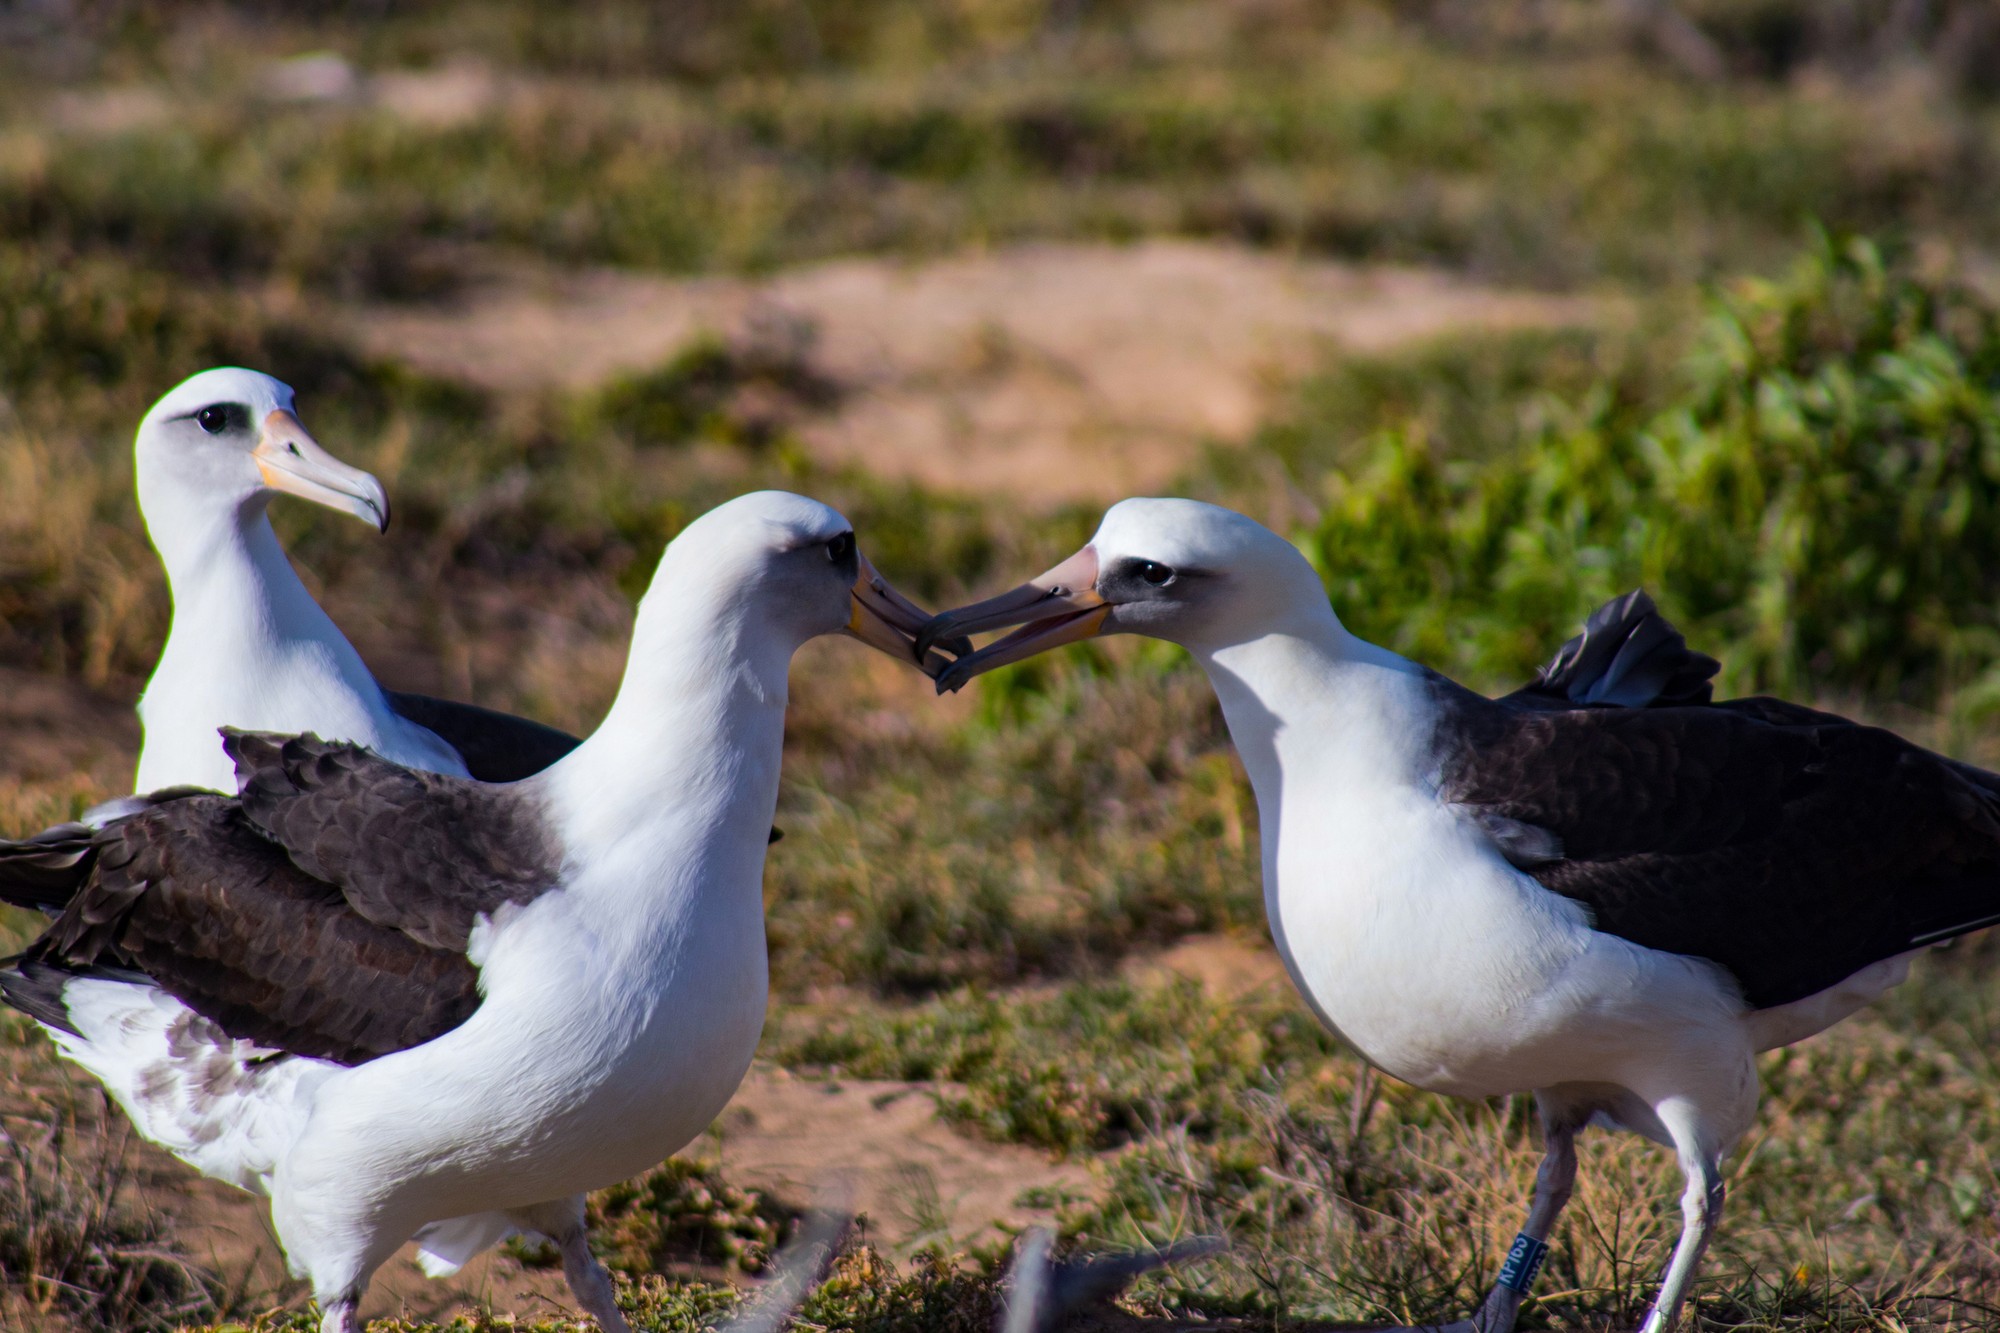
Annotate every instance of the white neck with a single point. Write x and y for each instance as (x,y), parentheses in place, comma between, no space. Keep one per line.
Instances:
(231,572)
(684,768)
(248,647)
(1310,698)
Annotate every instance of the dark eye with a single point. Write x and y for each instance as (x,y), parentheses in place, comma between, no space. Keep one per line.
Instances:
(1155,573)
(840,548)
(213,419)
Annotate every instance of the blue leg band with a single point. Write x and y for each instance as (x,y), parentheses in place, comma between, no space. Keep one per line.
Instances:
(1524,1260)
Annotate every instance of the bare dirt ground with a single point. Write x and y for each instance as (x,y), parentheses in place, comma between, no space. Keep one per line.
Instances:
(914,1176)
(1044,372)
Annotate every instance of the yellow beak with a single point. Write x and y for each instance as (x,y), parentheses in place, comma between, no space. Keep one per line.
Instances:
(290,460)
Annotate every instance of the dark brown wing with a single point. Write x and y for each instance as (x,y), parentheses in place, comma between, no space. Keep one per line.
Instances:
(422,853)
(1628,656)
(1791,846)
(195,897)
(496,747)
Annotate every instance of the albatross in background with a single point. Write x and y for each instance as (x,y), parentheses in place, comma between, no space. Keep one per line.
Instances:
(405,1004)
(1604,888)
(249,647)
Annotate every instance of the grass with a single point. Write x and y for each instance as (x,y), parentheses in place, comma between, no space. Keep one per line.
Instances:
(1863,1199)
(1343,131)
(79,1244)
(965,886)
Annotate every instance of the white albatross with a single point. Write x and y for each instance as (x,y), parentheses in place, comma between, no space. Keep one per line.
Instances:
(249,647)
(404,1004)
(1604,889)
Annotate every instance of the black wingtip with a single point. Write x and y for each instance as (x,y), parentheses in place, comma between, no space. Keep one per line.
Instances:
(795,1271)
(36,989)
(1628,656)
(44,872)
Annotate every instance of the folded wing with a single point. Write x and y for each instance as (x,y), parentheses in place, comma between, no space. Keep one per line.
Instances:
(324,913)
(1790,846)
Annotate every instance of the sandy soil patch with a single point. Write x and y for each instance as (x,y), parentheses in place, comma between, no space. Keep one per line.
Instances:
(915,1177)
(1229,967)
(1047,372)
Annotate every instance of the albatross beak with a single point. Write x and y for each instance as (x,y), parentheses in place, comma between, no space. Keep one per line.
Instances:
(1062,606)
(883,618)
(291,460)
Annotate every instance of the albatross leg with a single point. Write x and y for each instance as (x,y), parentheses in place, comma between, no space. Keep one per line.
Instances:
(562,1222)
(1701,1208)
(338,1316)
(1554,1180)
(590,1283)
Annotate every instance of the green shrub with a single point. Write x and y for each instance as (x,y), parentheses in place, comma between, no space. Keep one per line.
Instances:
(1818,502)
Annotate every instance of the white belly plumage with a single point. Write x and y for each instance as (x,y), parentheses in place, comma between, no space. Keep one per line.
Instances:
(1446,967)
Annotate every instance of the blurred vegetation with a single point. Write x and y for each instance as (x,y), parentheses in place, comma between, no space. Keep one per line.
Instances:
(925,861)
(1800,459)
(1548,143)
(1815,500)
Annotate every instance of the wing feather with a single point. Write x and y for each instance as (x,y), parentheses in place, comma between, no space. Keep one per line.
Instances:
(423,853)
(195,897)
(1791,846)
(496,747)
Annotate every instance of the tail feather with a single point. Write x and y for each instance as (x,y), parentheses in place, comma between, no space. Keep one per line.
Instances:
(1628,656)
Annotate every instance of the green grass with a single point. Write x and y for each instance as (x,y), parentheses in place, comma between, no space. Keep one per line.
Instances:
(1339,131)
(1863,1199)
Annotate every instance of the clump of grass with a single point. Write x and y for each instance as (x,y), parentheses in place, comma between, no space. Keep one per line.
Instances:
(1861,1199)
(936,1291)
(742,394)
(1094,1066)
(75,1244)
(682,1212)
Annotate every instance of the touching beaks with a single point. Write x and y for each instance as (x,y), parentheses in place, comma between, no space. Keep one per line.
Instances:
(291,460)
(1062,606)
(885,619)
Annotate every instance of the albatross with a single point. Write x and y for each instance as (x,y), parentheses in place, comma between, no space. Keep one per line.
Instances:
(411,1005)
(249,647)
(1605,889)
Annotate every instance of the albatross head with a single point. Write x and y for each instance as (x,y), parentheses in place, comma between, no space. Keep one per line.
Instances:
(1191,573)
(228,439)
(791,563)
